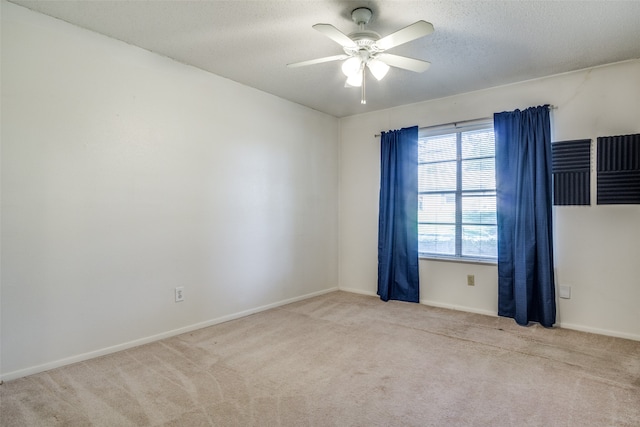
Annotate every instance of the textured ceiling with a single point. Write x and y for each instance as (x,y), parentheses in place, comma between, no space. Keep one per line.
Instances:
(476,44)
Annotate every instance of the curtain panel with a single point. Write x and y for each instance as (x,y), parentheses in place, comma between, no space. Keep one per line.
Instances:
(398,216)
(526,287)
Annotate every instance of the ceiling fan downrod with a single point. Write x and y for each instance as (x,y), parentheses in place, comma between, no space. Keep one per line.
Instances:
(361,16)
(363,100)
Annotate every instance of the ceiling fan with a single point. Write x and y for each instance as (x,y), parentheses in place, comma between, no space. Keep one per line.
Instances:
(366,49)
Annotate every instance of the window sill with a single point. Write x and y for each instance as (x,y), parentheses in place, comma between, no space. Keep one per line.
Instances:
(466,260)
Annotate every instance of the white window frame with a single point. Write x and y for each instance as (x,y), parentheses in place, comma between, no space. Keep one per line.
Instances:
(448,130)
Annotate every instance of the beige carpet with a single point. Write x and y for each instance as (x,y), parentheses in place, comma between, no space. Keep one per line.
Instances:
(345,360)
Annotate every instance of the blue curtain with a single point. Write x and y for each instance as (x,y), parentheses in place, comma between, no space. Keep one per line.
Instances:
(526,289)
(398,220)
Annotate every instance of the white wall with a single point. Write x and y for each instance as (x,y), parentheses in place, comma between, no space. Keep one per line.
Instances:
(597,248)
(126,174)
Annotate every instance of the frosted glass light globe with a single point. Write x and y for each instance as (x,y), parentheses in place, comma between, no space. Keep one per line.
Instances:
(351,66)
(378,68)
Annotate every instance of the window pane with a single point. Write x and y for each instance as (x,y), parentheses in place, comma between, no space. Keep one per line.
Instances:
(437,208)
(437,176)
(436,239)
(480,240)
(478,143)
(478,174)
(457,201)
(437,148)
(479,208)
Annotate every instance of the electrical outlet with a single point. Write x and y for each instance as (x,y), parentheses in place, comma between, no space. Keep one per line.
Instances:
(180,293)
(565,291)
(471,280)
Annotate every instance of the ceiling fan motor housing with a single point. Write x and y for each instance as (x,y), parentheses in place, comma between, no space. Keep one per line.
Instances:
(364,40)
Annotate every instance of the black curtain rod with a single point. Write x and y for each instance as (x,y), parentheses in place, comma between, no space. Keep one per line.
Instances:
(551,107)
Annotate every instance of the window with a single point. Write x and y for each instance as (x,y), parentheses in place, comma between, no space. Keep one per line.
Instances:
(457,193)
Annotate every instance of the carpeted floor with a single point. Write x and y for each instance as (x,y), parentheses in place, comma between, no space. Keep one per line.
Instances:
(345,360)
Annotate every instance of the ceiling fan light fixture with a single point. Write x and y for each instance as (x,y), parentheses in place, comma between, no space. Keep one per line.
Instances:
(355,80)
(378,68)
(351,66)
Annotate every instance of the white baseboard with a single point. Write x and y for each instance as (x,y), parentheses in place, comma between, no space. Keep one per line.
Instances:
(429,303)
(607,332)
(124,346)
(358,291)
(459,308)
(599,331)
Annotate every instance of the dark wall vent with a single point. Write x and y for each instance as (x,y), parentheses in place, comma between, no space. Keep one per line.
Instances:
(571,168)
(619,169)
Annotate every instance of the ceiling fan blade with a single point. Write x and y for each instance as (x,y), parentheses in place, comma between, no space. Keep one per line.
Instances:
(406,34)
(415,65)
(335,34)
(318,61)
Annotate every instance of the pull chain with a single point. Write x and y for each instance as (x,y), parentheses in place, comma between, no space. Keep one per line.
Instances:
(364,99)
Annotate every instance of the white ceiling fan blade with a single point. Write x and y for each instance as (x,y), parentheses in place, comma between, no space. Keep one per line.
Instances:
(318,61)
(415,65)
(407,34)
(334,34)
